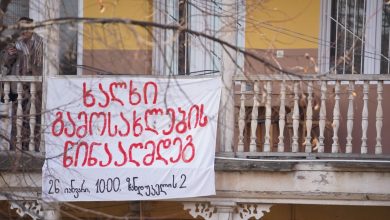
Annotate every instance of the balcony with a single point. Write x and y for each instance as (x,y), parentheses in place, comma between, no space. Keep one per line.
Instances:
(337,116)
(20,118)
(322,139)
(308,141)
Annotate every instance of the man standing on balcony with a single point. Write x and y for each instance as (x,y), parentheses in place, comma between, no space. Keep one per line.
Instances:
(24,58)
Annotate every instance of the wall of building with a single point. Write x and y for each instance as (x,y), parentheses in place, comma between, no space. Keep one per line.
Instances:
(129,209)
(174,210)
(117,48)
(288,27)
(327,212)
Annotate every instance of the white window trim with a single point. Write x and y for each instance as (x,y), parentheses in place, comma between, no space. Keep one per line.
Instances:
(38,11)
(208,55)
(372,41)
(80,38)
(240,35)
(165,55)
(169,48)
(41,10)
(324,37)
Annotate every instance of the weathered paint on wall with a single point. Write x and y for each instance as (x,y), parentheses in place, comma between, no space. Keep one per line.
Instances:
(307,183)
(284,33)
(117,48)
(282,24)
(117,36)
(327,212)
(131,210)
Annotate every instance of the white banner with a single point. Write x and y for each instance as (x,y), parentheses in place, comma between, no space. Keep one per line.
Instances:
(130,138)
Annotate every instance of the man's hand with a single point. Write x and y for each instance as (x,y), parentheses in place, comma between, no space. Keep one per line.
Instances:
(11,51)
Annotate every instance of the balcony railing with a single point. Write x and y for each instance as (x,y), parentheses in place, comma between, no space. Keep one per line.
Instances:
(334,116)
(20,113)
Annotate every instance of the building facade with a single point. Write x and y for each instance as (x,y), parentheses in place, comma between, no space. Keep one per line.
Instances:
(302,124)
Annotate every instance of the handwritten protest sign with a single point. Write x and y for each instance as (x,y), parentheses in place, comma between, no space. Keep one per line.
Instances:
(130,138)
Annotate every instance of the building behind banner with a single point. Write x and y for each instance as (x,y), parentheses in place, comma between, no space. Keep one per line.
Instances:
(301,126)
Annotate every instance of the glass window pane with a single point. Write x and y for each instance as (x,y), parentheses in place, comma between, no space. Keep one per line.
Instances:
(68,38)
(385,47)
(347,33)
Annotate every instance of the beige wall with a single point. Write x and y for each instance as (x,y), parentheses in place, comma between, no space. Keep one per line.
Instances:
(282,24)
(117,48)
(322,212)
(117,36)
(291,27)
(174,210)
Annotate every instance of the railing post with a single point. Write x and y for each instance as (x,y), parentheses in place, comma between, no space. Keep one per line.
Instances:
(19,116)
(241,117)
(364,118)
(351,87)
(295,118)
(379,119)
(322,117)
(336,118)
(282,116)
(253,145)
(33,112)
(8,121)
(267,147)
(309,116)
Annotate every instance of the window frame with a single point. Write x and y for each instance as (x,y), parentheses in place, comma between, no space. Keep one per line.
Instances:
(166,56)
(38,10)
(372,37)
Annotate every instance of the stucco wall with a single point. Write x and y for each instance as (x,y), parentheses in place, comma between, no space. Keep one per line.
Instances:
(118,48)
(291,27)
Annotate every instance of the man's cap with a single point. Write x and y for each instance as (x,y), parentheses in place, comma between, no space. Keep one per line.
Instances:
(26,19)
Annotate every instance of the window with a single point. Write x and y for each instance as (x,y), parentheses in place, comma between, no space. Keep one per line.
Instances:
(347,19)
(183,41)
(385,45)
(68,39)
(68,33)
(356,33)
(183,53)
(15,10)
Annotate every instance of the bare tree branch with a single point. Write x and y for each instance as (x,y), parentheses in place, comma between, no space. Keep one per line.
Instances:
(103,21)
